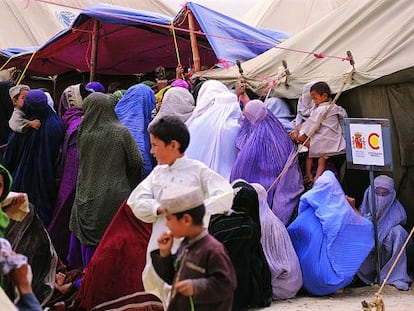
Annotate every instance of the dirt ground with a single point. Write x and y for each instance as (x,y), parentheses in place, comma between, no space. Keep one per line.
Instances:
(349,300)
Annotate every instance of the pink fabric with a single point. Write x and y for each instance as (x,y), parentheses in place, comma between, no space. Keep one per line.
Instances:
(180,83)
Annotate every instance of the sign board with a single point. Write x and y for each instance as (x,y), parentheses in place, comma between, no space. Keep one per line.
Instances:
(368,144)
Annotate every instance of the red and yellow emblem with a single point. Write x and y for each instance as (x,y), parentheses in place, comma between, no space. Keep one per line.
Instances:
(373,141)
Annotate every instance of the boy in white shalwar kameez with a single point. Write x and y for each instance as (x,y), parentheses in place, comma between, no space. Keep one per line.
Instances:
(328,140)
(169,140)
(17,121)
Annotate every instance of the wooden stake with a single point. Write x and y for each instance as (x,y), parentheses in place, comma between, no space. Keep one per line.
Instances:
(193,40)
(94,51)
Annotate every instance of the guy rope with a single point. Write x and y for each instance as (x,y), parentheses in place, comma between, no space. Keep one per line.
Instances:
(345,82)
(378,304)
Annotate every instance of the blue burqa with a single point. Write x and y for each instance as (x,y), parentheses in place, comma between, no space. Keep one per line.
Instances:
(330,238)
(391,217)
(31,156)
(134,112)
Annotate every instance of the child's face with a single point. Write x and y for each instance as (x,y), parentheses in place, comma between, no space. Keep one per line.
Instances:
(163,153)
(1,185)
(20,99)
(177,227)
(318,98)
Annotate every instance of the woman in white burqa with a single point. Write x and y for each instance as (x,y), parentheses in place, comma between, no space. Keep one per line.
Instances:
(214,125)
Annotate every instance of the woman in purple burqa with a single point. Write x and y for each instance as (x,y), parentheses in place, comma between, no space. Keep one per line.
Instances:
(70,108)
(391,217)
(264,149)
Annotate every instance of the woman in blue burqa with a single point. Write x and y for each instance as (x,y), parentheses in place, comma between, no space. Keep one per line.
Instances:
(391,217)
(330,238)
(134,112)
(264,149)
(31,156)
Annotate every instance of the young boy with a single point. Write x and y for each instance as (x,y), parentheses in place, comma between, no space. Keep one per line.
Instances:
(201,273)
(17,121)
(169,139)
(328,140)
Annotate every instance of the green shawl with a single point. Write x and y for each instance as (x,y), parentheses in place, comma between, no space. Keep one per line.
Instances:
(109,168)
(7,180)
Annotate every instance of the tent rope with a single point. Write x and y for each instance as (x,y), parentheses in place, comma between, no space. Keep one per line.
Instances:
(395,261)
(177,52)
(378,303)
(25,68)
(289,162)
(5,64)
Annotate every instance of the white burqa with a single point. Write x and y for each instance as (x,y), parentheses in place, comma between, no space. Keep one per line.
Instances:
(213,127)
(278,248)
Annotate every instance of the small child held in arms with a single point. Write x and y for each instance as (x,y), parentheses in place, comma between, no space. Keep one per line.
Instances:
(328,140)
(201,273)
(17,121)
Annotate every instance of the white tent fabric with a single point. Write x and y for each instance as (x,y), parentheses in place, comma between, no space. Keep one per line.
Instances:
(378,33)
(232,8)
(31,23)
(290,16)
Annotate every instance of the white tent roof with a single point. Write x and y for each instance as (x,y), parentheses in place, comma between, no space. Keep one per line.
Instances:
(232,8)
(378,33)
(290,16)
(32,23)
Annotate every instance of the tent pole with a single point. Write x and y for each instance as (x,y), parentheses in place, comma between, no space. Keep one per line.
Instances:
(193,40)
(373,209)
(94,51)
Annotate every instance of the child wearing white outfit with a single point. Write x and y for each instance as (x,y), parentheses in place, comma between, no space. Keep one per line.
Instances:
(328,140)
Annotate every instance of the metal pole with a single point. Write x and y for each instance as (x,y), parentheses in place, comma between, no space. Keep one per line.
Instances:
(375,222)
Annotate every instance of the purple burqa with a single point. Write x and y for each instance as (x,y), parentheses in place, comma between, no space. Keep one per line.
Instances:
(391,217)
(264,149)
(59,226)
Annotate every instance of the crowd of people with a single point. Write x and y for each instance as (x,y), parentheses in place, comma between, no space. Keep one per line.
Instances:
(174,196)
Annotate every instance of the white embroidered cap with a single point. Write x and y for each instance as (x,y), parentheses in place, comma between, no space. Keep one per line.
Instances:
(15,90)
(176,200)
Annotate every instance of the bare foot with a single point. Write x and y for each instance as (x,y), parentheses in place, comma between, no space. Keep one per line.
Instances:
(307,181)
(60,278)
(307,178)
(63,288)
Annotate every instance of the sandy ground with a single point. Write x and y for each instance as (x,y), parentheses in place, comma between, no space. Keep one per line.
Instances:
(349,300)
